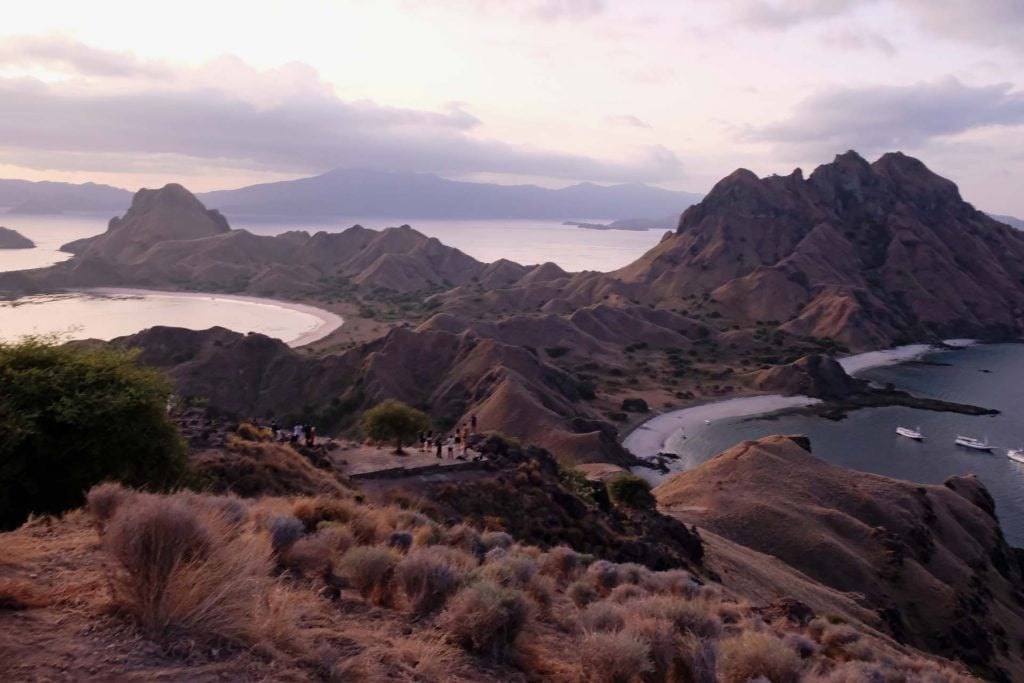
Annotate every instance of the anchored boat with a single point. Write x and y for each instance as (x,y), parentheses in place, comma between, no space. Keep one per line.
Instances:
(1016,454)
(914,434)
(971,442)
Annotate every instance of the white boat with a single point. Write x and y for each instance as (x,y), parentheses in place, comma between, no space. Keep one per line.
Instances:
(1016,454)
(914,434)
(971,442)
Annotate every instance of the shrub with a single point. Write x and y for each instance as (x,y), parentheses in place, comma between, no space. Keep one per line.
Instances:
(465,537)
(74,417)
(179,572)
(561,563)
(284,532)
(581,592)
(369,570)
(751,654)
(400,541)
(428,576)
(541,590)
(839,635)
(513,569)
(103,501)
(634,405)
(686,616)
(629,490)
(614,657)
(314,511)
(394,421)
(336,537)
(804,647)
(496,539)
(604,574)
(604,617)
(486,618)
(309,556)
(661,640)
(626,592)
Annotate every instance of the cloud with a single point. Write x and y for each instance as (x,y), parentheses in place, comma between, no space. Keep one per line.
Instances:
(65,54)
(880,118)
(628,120)
(529,10)
(783,14)
(852,39)
(287,119)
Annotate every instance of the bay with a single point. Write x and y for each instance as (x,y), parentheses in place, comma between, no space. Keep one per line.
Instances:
(985,375)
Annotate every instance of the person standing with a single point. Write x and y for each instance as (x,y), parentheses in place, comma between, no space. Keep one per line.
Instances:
(472,422)
(438,444)
(451,447)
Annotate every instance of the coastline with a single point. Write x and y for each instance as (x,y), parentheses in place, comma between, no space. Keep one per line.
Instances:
(328,321)
(648,438)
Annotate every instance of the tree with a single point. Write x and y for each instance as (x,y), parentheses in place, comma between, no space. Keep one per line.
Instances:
(71,417)
(394,420)
(629,490)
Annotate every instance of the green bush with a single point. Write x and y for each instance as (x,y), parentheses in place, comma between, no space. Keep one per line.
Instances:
(629,490)
(394,421)
(73,417)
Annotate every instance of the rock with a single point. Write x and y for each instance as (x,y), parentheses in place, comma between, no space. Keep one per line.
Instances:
(816,376)
(12,239)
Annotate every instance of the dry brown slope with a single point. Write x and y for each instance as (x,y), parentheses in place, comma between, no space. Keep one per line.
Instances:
(931,561)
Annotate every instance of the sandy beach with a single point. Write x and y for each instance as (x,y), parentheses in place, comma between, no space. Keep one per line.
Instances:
(321,322)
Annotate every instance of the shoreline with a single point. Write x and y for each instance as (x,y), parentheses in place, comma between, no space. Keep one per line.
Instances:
(328,322)
(649,438)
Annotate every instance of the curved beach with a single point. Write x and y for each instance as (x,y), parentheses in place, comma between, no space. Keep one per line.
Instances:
(108,312)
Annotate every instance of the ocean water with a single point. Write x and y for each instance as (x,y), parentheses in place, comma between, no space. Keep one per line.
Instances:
(985,375)
(524,241)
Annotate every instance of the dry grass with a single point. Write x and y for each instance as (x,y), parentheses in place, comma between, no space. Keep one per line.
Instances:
(486,619)
(177,570)
(614,657)
(103,500)
(428,576)
(752,655)
(16,594)
(369,570)
(602,617)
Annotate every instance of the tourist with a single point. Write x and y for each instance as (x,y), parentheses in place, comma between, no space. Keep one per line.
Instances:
(472,422)
(423,440)
(298,434)
(310,435)
(438,444)
(458,437)
(451,446)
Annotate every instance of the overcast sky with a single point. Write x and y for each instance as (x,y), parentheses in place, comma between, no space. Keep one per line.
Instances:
(218,94)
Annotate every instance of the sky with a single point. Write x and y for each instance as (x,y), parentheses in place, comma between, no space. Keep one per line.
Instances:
(218,94)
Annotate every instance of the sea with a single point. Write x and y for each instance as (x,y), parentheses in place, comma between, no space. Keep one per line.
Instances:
(105,315)
(989,375)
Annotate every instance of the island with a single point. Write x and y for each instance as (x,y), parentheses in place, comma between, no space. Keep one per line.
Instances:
(12,239)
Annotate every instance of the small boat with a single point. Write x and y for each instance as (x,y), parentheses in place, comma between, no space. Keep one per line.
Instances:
(971,442)
(1016,454)
(914,434)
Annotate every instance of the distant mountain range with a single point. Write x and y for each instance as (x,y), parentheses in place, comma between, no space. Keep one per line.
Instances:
(373,194)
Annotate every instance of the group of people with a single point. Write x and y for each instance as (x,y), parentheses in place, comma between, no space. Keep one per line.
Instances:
(457,442)
(300,433)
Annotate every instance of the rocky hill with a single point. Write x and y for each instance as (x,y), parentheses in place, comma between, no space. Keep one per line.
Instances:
(451,375)
(865,253)
(12,239)
(168,239)
(929,561)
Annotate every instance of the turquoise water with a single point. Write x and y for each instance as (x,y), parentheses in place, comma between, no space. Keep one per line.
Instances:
(987,375)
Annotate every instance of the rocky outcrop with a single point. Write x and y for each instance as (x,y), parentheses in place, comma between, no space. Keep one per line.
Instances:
(868,254)
(12,239)
(929,560)
(816,375)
